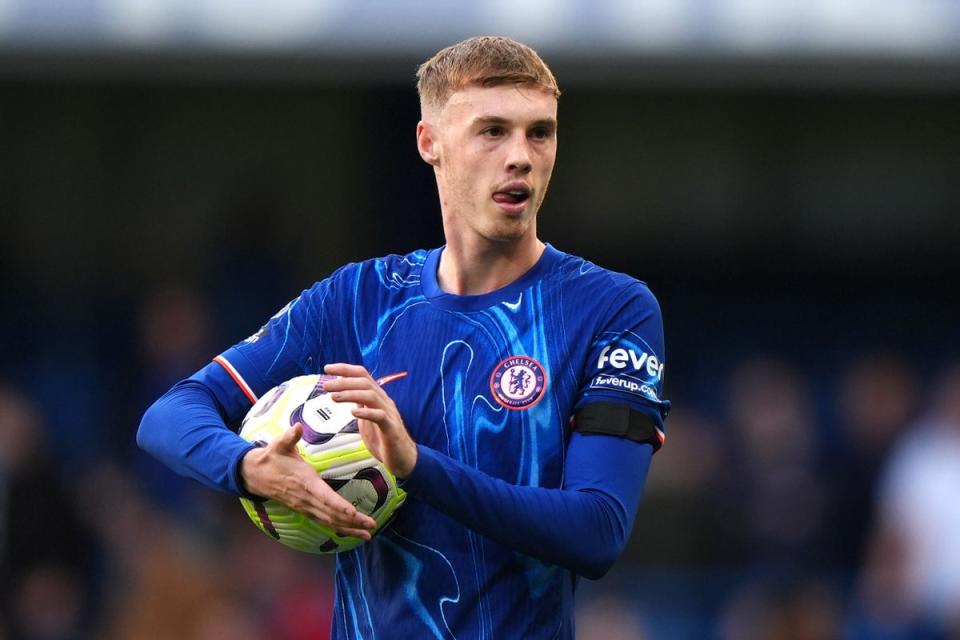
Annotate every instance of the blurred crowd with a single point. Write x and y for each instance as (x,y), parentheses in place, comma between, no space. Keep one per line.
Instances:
(805,510)
(800,508)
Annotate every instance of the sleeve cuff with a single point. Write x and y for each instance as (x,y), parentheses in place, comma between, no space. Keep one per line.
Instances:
(425,473)
(236,479)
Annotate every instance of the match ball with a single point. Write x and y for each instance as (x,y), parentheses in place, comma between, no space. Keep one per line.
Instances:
(332,445)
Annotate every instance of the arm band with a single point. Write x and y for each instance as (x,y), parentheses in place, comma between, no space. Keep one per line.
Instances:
(617,420)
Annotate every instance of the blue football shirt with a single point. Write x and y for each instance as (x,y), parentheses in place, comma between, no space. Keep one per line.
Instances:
(491,382)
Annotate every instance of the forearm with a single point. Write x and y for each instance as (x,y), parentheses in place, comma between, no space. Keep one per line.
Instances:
(185,430)
(582,527)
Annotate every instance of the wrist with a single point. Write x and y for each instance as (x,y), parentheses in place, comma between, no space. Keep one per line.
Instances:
(409,465)
(250,460)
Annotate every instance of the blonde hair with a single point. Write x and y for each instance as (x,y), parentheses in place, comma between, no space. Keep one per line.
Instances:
(483,61)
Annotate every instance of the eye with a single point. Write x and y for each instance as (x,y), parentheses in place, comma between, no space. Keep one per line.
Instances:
(492,132)
(540,133)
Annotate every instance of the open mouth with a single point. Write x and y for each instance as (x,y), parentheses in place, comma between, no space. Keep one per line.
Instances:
(512,195)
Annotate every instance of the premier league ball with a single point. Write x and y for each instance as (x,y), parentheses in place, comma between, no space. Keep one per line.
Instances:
(332,445)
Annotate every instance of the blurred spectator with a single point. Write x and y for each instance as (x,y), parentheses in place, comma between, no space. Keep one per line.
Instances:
(775,495)
(174,333)
(43,545)
(224,580)
(912,579)
(877,398)
(879,611)
(257,252)
(303,606)
(681,518)
(163,589)
(608,616)
(48,605)
(173,341)
(794,611)
(292,591)
(230,620)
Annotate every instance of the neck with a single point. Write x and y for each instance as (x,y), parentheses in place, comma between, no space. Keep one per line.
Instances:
(469,269)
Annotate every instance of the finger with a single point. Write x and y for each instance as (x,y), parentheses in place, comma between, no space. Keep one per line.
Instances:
(367,397)
(288,439)
(329,499)
(344,369)
(371,414)
(340,521)
(344,384)
(314,497)
(339,511)
(359,521)
(363,534)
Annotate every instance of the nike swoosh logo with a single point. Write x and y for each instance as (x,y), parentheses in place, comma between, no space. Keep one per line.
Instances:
(513,306)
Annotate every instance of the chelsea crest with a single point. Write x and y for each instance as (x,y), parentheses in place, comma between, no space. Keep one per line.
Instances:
(518,382)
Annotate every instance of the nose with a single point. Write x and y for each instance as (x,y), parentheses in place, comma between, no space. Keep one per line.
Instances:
(519,158)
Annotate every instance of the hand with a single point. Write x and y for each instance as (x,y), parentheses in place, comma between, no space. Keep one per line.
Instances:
(381,426)
(277,471)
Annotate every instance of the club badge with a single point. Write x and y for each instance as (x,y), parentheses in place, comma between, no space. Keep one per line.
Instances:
(518,382)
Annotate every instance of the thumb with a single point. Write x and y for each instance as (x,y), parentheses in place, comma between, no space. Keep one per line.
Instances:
(289,438)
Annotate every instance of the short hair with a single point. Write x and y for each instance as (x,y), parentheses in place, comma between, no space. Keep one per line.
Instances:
(481,61)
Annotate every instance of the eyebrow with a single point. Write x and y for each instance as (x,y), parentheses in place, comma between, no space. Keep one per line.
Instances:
(497,120)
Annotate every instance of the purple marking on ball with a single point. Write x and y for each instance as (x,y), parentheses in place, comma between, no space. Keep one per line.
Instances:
(374,477)
(296,416)
(318,388)
(313,437)
(265,519)
(371,475)
(336,483)
(327,546)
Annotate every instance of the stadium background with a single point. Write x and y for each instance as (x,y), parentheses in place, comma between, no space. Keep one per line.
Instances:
(784,177)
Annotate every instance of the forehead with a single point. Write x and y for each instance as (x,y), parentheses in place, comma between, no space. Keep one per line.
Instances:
(520,103)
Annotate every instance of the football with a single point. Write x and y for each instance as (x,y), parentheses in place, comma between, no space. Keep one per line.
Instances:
(332,445)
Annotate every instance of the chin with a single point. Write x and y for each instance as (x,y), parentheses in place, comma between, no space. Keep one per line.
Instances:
(508,233)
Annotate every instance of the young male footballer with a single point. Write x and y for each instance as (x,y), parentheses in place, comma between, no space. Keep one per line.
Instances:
(531,405)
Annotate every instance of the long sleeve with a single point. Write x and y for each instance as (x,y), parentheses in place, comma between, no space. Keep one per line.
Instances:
(583,526)
(186,431)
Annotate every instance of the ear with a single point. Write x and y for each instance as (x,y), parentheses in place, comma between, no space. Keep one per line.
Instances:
(426,144)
